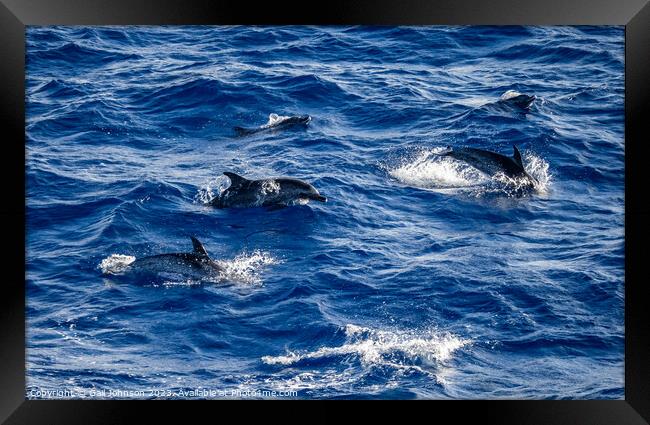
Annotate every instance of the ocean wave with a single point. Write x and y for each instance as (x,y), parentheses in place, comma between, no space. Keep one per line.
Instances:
(194,93)
(128,130)
(549,54)
(78,54)
(60,89)
(396,349)
(312,88)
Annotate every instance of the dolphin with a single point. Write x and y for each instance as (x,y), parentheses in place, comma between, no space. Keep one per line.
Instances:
(195,264)
(276,122)
(271,192)
(492,163)
(514,98)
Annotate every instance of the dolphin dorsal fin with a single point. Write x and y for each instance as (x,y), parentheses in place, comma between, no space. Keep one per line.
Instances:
(235,179)
(198,247)
(517,156)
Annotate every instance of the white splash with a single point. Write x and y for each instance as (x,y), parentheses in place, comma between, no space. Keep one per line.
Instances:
(396,349)
(429,170)
(246,268)
(212,189)
(115,263)
(274,119)
(538,168)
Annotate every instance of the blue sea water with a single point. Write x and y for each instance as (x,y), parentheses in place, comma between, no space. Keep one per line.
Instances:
(419,278)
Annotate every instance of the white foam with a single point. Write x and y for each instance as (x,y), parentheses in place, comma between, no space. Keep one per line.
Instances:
(212,189)
(538,167)
(246,267)
(428,170)
(314,381)
(115,263)
(274,119)
(432,171)
(396,349)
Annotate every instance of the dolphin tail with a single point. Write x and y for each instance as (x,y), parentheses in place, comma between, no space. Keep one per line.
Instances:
(198,247)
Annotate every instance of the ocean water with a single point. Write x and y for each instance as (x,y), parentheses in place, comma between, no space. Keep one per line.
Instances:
(420,277)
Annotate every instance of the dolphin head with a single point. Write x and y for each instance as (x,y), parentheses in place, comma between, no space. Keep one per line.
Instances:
(310,192)
(318,197)
(522,101)
(303,190)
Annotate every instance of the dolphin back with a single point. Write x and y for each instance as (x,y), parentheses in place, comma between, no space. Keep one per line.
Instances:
(522,101)
(490,162)
(275,122)
(241,131)
(195,263)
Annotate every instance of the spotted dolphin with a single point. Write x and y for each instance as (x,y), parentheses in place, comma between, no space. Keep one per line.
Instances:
(519,100)
(196,264)
(276,192)
(276,122)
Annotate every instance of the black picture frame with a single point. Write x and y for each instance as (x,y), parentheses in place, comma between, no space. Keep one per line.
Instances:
(633,14)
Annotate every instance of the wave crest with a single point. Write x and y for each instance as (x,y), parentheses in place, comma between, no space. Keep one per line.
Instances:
(395,349)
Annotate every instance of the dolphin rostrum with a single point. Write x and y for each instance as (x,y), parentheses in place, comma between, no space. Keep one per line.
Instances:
(270,192)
